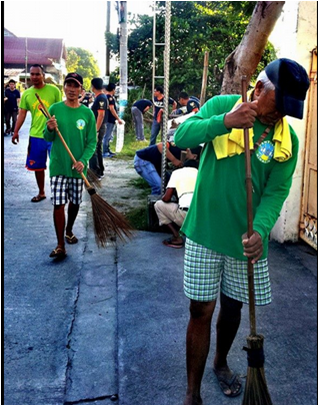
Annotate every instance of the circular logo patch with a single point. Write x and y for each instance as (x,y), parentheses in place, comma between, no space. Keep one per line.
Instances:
(265,152)
(80,124)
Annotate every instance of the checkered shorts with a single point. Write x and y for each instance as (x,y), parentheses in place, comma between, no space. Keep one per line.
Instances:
(206,270)
(64,188)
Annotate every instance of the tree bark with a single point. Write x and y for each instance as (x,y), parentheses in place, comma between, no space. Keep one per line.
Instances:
(245,58)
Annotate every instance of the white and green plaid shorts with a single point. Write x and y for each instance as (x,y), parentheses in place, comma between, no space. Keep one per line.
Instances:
(205,271)
(64,189)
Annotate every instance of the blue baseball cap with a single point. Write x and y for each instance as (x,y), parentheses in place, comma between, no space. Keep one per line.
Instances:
(291,83)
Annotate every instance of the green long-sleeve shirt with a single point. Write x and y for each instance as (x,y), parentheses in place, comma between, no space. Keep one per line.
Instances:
(217,218)
(78,128)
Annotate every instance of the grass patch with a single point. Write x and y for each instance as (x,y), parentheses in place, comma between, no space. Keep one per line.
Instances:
(138,218)
(142,187)
(130,143)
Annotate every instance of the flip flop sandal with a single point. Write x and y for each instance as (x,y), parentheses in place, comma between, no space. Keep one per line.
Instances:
(71,239)
(37,199)
(169,243)
(58,253)
(227,384)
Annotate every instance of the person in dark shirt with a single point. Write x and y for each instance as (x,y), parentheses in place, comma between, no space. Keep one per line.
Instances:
(99,109)
(192,103)
(148,163)
(112,117)
(11,102)
(189,104)
(138,109)
(158,102)
(86,98)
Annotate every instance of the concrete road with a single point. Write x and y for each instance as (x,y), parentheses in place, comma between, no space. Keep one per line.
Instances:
(107,326)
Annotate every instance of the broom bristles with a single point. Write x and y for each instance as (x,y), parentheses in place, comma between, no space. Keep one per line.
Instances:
(108,222)
(256,390)
(93,179)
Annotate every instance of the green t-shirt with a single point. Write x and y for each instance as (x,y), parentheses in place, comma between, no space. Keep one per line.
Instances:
(78,128)
(49,94)
(217,218)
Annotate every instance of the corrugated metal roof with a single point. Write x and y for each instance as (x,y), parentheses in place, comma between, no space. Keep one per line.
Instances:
(12,73)
(39,50)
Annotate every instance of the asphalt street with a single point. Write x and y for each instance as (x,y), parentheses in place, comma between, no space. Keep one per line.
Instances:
(107,326)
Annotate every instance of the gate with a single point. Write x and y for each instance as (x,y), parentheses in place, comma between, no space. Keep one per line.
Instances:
(309,214)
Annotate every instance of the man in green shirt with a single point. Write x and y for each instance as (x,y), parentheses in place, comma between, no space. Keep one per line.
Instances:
(77,125)
(38,148)
(217,246)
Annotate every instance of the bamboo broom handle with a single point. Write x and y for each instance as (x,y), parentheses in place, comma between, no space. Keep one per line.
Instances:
(63,141)
(249,192)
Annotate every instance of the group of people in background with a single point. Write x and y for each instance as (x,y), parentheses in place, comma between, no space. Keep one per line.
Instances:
(104,107)
(86,121)
(171,208)
(187,104)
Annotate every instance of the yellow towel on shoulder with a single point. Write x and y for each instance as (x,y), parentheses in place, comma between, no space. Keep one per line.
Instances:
(231,144)
(282,141)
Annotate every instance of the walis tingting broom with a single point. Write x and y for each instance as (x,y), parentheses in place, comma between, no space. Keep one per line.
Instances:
(256,390)
(107,220)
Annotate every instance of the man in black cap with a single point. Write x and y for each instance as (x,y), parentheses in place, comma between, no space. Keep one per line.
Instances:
(100,110)
(78,128)
(217,246)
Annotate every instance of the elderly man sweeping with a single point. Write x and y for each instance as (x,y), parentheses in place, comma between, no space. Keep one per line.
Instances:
(217,247)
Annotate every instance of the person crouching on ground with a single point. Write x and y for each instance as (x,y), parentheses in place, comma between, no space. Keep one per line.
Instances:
(78,127)
(148,163)
(182,182)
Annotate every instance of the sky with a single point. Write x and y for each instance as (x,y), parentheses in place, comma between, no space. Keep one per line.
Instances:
(80,23)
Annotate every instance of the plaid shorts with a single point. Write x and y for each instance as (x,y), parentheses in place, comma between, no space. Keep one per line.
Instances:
(64,188)
(206,270)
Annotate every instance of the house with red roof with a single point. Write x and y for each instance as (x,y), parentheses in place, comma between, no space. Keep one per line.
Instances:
(22,52)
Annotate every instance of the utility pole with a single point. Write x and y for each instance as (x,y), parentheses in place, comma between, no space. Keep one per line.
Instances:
(107,49)
(122,10)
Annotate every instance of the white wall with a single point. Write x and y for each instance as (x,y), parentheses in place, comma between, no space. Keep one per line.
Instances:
(294,37)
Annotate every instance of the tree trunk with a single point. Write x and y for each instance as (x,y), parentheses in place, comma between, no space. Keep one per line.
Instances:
(245,58)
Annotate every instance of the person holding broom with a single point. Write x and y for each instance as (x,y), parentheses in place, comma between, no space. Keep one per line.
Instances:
(77,125)
(217,247)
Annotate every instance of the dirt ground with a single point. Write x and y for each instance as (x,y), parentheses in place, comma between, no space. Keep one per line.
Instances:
(118,187)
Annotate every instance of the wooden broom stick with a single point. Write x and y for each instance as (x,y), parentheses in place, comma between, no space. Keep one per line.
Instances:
(249,191)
